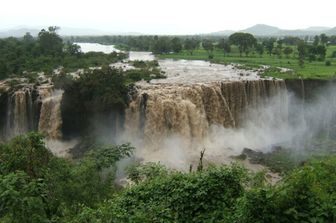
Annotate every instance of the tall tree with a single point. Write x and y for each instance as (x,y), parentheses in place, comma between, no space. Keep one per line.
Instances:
(28,38)
(324,39)
(280,47)
(244,41)
(321,51)
(190,45)
(301,48)
(50,42)
(269,45)
(161,45)
(225,46)
(316,40)
(259,49)
(287,51)
(176,45)
(208,46)
(72,49)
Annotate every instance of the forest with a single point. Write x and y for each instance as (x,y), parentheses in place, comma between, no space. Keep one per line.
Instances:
(46,52)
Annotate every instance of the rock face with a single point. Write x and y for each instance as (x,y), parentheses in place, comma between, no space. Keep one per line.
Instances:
(158,110)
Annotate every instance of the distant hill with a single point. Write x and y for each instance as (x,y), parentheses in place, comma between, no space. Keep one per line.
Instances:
(331,31)
(262,30)
(257,30)
(317,28)
(266,30)
(64,31)
(222,33)
(18,32)
(69,31)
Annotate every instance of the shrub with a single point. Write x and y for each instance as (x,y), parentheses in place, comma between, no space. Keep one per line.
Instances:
(36,186)
(308,194)
(203,196)
(333,55)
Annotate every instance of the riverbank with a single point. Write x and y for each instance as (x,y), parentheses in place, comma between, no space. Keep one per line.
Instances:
(310,70)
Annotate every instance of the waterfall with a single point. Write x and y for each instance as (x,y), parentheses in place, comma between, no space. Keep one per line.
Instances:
(158,111)
(50,120)
(19,112)
(31,108)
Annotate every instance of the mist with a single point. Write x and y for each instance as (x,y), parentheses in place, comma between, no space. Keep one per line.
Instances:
(283,120)
(274,125)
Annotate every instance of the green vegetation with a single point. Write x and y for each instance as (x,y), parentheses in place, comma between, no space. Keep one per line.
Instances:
(310,70)
(304,59)
(244,41)
(46,53)
(100,94)
(146,70)
(36,186)
(311,57)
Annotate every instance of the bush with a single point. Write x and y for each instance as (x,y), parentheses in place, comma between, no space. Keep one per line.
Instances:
(308,194)
(328,63)
(204,196)
(223,194)
(36,186)
(333,55)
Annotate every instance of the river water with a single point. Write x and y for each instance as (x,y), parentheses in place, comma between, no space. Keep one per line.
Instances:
(96,47)
(182,71)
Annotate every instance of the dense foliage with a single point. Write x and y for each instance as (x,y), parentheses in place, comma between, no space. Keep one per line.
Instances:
(101,92)
(223,194)
(100,96)
(46,53)
(244,41)
(36,186)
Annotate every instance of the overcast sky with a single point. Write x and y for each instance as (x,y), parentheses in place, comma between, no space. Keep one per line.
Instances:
(167,16)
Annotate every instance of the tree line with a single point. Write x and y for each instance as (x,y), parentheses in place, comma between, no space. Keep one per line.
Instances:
(247,44)
(46,52)
(174,43)
(49,51)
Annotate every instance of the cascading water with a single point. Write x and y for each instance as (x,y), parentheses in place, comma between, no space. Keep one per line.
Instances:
(31,107)
(158,111)
(50,120)
(19,112)
(199,105)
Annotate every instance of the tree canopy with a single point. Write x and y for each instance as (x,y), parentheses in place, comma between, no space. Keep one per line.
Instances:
(244,41)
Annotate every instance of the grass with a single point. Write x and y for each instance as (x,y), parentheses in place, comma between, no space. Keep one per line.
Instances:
(310,70)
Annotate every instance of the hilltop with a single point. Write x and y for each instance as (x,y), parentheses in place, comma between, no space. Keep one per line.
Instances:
(267,30)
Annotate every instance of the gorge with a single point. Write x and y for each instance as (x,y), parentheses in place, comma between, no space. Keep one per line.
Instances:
(199,105)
